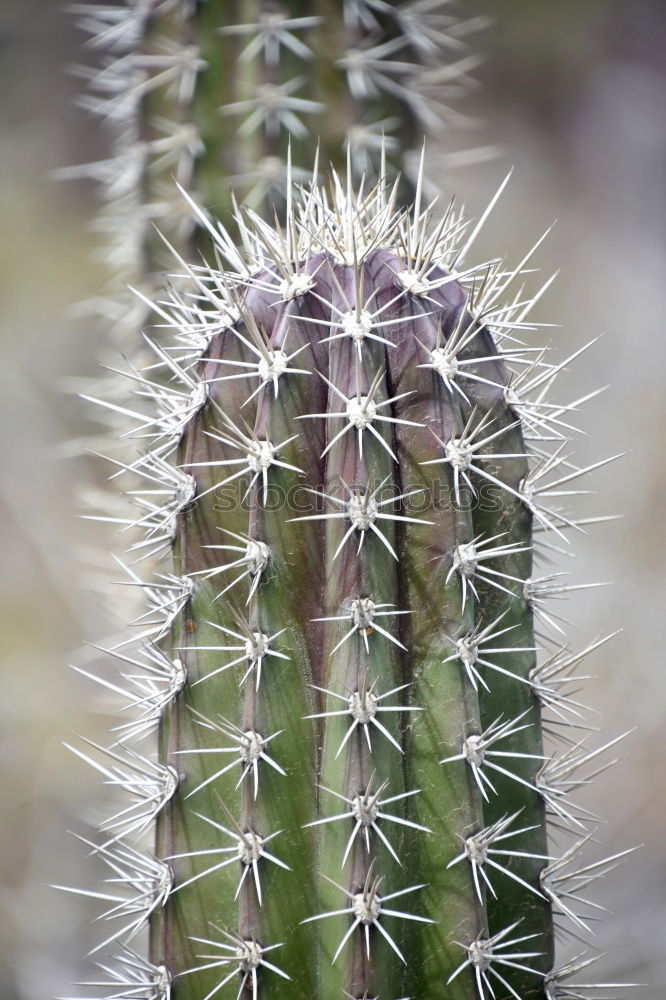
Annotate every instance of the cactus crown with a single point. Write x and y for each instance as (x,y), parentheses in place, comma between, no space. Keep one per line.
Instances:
(349,456)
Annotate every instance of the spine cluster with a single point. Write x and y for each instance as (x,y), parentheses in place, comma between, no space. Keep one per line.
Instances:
(338,692)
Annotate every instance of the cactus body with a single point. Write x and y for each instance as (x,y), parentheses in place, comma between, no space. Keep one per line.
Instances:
(351,786)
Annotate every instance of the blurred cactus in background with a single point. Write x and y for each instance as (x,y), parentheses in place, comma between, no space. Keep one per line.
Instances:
(338,687)
(213,95)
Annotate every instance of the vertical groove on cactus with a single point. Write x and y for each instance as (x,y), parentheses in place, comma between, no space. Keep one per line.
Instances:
(351,786)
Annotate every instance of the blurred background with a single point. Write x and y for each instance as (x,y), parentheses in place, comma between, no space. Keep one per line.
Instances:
(572,92)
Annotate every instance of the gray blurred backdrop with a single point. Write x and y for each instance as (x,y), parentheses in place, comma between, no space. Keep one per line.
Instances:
(573,93)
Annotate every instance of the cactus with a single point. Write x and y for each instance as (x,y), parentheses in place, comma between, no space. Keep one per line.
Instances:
(351,788)
(213,95)
(350,729)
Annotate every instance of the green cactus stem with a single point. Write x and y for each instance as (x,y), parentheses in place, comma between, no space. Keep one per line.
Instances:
(348,462)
